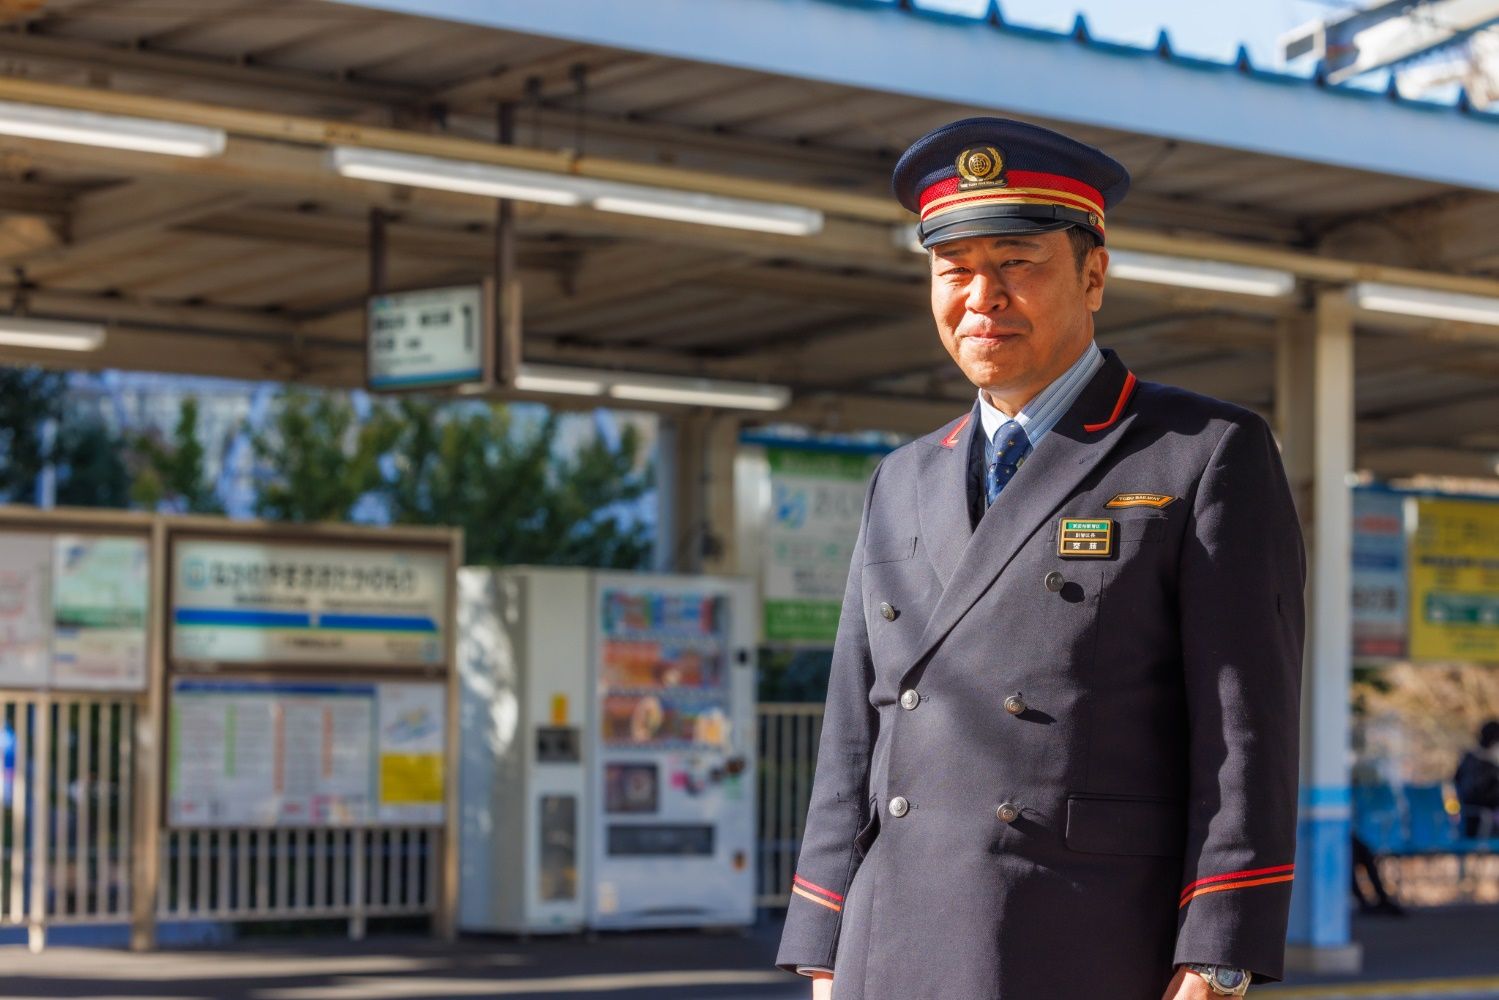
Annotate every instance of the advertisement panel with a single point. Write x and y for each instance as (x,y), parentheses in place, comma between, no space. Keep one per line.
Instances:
(73,611)
(25,609)
(816,500)
(664,669)
(1454,580)
(410,748)
(1379,591)
(280,603)
(250,753)
(101,586)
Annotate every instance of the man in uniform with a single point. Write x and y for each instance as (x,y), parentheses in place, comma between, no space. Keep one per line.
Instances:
(1059,758)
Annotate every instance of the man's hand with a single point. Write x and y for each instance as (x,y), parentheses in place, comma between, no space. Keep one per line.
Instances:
(822,986)
(1187,986)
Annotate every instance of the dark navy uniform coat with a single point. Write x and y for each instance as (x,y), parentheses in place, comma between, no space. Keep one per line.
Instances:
(1134,806)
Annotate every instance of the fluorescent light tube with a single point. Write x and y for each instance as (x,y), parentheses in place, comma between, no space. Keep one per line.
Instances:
(552,378)
(145,135)
(707,209)
(701,392)
(643,388)
(50,334)
(1211,275)
(561,189)
(1427,303)
(455,175)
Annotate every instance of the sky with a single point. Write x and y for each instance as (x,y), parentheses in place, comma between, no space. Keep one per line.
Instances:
(1211,28)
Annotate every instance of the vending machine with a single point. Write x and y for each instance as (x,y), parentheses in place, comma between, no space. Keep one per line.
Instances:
(608,750)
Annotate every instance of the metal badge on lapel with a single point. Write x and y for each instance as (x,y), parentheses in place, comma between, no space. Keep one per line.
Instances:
(1156,500)
(1085,539)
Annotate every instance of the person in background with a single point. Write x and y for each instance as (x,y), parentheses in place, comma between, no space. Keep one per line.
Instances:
(1382,903)
(1477,782)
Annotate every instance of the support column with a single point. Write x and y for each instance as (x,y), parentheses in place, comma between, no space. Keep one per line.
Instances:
(720,537)
(668,516)
(695,483)
(1315,412)
(150,732)
(680,542)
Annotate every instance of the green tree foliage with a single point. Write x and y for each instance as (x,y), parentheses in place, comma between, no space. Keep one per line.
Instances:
(172,473)
(29,397)
(319,459)
(91,470)
(84,452)
(503,482)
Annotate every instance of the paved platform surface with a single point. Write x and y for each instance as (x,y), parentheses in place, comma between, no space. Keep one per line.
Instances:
(1452,953)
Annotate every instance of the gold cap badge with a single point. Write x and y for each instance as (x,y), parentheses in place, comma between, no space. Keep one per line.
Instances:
(981,165)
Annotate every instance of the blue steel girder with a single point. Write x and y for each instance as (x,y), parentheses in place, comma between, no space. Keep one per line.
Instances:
(955,56)
(1387,34)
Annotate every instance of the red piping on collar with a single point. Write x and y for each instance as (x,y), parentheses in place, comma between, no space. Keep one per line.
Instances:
(1129,387)
(952,436)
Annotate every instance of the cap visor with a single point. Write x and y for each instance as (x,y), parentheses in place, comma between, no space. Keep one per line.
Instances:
(991,225)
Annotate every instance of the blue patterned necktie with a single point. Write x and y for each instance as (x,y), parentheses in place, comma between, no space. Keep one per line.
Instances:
(1010,448)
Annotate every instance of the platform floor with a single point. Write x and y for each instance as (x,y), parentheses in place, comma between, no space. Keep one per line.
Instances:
(1452,953)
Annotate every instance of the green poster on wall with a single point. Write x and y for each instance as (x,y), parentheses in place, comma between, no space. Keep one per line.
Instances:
(816,499)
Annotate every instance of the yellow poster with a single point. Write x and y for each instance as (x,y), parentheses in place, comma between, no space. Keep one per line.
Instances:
(1454,581)
(412,731)
(410,779)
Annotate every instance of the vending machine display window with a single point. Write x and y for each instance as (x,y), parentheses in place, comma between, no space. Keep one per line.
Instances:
(558,875)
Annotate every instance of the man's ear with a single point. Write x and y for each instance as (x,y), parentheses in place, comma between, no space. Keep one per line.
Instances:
(1095,270)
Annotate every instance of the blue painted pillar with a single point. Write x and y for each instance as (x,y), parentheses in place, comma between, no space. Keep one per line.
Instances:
(1315,415)
(1320,891)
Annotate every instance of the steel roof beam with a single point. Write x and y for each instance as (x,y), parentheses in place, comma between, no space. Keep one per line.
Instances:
(891,51)
(1387,34)
(293,160)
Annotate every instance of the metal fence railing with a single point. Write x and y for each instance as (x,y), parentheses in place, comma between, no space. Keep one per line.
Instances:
(252,873)
(787,736)
(67,820)
(68,797)
(66,825)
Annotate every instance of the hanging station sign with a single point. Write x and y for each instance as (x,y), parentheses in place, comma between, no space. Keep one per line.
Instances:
(436,338)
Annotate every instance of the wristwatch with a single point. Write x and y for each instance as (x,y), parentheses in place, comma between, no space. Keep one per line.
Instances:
(1224,980)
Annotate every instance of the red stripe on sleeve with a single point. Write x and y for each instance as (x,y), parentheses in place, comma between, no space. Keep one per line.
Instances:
(816,888)
(1246,873)
(1230,886)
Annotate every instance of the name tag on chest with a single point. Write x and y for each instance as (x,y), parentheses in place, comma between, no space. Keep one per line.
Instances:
(1085,539)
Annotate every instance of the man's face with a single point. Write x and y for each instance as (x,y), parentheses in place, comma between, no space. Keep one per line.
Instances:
(1015,311)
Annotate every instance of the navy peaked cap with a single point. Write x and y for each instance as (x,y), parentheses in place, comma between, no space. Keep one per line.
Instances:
(998,176)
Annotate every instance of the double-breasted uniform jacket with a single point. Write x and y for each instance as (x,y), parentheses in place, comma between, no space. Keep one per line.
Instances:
(1040,774)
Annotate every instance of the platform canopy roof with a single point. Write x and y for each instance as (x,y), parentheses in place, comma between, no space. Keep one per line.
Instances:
(253,262)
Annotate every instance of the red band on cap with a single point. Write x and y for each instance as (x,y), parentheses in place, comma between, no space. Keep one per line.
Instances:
(1023,179)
